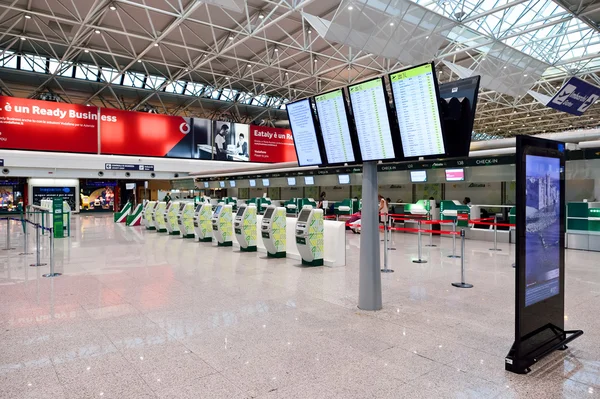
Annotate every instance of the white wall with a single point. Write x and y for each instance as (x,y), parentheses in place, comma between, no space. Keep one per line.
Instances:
(480,193)
(578,190)
(36,182)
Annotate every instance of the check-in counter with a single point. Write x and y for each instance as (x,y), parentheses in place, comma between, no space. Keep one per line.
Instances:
(583,226)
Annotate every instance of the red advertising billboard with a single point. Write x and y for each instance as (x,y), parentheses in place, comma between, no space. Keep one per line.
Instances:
(144,134)
(36,125)
(271,144)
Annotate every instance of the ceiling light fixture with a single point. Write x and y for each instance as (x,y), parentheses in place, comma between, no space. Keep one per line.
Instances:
(23,38)
(27,16)
(155,44)
(525,75)
(230,37)
(112,7)
(139,61)
(276,50)
(350,8)
(97,31)
(86,51)
(391,24)
(261,16)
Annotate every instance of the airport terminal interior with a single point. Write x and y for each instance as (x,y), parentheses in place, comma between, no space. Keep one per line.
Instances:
(308,199)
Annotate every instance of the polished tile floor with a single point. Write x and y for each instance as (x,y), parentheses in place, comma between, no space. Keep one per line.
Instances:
(138,314)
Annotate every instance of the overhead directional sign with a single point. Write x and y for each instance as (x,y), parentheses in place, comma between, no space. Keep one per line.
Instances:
(121,166)
(575,97)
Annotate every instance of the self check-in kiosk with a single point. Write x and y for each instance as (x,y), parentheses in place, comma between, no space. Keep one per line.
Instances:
(222,225)
(185,220)
(272,229)
(160,216)
(171,217)
(148,215)
(245,227)
(309,236)
(203,222)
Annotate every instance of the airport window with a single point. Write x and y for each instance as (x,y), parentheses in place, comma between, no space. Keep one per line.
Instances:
(134,79)
(61,69)
(8,59)
(177,87)
(245,98)
(216,94)
(194,89)
(228,95)
(34,63)
(154,82)
(108,74)
(87,72)
(259,100)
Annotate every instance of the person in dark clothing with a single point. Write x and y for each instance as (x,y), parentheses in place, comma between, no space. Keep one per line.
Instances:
(242,146)
(221,143)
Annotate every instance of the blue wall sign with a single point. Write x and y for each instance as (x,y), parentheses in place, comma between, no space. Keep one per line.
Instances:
(125,166)
(575,97)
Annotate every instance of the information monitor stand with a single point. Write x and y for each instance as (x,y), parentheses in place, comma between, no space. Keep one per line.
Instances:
(369,286)
(222,225)
(309,236)
(273,231)
(185,219)
(203,222)
(245,227)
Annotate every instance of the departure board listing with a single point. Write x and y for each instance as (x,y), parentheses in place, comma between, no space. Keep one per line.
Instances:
(369,107)
(303,129)
(417,110)
(334,127)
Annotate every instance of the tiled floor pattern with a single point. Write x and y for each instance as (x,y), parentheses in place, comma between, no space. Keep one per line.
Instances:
(138,314)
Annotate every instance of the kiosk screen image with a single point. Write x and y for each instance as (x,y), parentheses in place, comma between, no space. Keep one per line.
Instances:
(241,211)
(206,184)
(418,176)
(302,123)
(222,184)
(198,207)
(291,181)
(181,206)
(303,217)
(542,228)
(266,182)
(252,183)
(218,210)
(335,129)
(455,174)
(231,183)
(369,107)
(344,179)
(417,111)
(309,180)
(269,213)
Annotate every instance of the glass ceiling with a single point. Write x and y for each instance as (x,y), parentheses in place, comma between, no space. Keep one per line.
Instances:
(540,28)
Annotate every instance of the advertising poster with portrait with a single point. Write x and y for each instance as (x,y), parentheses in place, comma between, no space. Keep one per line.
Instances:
(230,141)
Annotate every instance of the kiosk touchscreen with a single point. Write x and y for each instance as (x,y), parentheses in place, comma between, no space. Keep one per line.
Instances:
(272,229)
(222,225)
(203,222)
(245,227)
(171,217)
(160,216)
(185,220)
(309,236)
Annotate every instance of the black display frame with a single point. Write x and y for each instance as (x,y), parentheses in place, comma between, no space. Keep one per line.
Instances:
(351,129)
(539,327)
(317,127)
(440,115)
(396,142)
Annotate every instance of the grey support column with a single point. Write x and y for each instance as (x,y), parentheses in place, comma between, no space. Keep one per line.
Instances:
(369,286)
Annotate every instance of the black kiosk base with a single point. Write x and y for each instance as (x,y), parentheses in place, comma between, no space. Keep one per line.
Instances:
(545,341)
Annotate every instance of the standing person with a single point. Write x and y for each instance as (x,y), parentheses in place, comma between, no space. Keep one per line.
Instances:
(467,201)
(221,143)
(322,199)
(167,198)
(242,146)
(383,209)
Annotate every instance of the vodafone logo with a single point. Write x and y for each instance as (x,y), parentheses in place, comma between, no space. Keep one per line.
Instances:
(184,128)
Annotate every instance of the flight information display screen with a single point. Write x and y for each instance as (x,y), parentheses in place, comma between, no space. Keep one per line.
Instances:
(206,184)
(418,176)
(369,106)
(542,226)
(266,182)
(309,180)
(418,112)
(252,183)
(232,183)
(335,128)
(455,174)
(344,179)
(222,184)
(302,123)
(291,181)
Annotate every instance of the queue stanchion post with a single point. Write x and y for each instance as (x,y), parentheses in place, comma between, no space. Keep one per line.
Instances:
(385,247)
(495,235)
(431,244)
(390,234)
(25,239)
(462,283)
(454,255)
(420,259)
(8,248)
(52,273)
(37,248)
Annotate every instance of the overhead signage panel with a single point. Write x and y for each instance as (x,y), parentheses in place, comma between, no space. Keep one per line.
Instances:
(132,167)
(575,97)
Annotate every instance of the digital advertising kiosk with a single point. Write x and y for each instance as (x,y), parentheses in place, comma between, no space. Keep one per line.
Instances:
(222,225)
(160,216)
(309,236)
(171,217)
(245,227)
(273,231)
(540,254)
(185,220)
(203,222)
